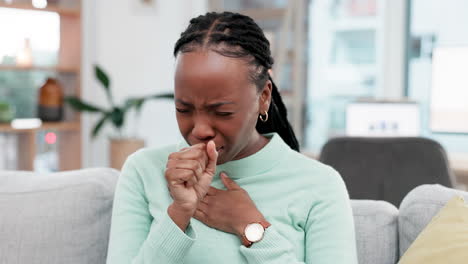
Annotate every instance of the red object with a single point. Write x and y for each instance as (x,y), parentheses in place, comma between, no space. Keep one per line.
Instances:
(51,138)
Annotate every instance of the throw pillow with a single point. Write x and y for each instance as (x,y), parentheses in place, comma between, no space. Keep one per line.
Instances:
(445,238)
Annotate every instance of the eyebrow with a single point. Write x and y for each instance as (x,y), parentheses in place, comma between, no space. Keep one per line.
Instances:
(214,105)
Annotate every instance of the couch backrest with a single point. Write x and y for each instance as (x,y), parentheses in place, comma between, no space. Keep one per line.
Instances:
(376,226)
(55,218)
(419,207)
(65,218)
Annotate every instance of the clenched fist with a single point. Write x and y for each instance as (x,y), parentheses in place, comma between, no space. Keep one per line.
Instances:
(189,173)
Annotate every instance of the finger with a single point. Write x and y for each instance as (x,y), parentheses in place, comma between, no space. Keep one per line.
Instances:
(193,165)
(212,191)
(207,199)
(228,182)
(212,157)
(191,154)
(199,145)
(178,176)
(191,182)
(199,215)
(203,207)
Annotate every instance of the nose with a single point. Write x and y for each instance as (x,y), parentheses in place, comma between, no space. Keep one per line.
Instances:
(202,129)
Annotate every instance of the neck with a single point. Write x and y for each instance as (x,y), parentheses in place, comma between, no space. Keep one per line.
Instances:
(256,143)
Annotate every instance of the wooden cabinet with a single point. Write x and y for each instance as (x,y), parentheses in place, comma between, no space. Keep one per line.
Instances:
(67,70)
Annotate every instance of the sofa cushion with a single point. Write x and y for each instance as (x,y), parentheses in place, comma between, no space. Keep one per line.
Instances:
(55,218)
(445,238)
(419,207)
(376,231)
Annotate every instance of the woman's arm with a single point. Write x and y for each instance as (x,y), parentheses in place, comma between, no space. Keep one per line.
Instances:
(136,237)
(329,226)
(329,231)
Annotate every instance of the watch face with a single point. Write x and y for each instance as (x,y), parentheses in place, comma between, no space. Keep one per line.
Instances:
(254,232)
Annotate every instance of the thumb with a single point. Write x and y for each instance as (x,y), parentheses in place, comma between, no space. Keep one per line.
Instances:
(228,182)
(212,157)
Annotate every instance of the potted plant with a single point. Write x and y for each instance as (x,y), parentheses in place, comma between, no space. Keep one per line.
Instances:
(6,112)
(120,146)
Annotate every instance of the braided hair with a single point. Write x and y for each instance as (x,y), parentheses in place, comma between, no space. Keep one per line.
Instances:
(238,36)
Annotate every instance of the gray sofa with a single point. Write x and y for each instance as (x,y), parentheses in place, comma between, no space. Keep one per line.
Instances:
(64,218)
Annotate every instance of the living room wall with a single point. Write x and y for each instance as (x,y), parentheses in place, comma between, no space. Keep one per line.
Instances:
(134,45)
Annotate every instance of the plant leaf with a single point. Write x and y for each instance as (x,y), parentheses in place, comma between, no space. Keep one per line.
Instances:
(102,76)
(134,102)
(81,106)
(117,117)
(138,102)
(99,124)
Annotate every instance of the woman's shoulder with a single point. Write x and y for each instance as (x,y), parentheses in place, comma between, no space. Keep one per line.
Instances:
(312,169)
(306,162)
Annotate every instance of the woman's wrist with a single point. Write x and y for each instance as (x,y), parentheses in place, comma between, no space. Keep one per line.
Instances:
(181,216)
(241,228)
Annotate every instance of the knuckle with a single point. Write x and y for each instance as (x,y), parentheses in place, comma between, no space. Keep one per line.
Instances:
(171,156)
(167,173)
(186,175)
(199,153)
(170,163)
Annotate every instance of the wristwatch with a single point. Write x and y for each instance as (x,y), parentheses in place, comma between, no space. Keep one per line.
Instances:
(254,232)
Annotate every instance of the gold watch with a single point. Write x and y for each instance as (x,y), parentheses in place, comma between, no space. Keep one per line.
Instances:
(254,232)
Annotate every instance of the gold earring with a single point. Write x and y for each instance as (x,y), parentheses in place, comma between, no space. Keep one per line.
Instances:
(264,119)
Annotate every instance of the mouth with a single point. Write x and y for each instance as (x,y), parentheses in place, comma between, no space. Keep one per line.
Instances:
(219,149)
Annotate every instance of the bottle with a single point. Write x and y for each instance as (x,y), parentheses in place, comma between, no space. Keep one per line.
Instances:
(50,107)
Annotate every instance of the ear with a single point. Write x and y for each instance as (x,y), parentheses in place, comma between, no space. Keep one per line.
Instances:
(265,97)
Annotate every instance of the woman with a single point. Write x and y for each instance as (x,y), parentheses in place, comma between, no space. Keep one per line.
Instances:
(237,190)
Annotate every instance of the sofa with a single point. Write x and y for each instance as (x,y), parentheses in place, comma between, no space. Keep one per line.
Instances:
(65,217)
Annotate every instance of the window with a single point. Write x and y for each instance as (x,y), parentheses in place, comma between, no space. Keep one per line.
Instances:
(345,63)
(437,30)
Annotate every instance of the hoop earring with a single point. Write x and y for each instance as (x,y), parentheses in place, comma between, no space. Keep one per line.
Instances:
(264,119)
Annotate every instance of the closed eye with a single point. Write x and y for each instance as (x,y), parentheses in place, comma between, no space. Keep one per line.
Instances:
(182,110)
(223,113)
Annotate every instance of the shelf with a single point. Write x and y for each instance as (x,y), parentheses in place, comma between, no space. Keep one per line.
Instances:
(67,68)
(264,13)
(50,8)
(39,68)
(57,126)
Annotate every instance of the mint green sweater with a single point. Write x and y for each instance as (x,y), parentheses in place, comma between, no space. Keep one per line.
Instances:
(305,201)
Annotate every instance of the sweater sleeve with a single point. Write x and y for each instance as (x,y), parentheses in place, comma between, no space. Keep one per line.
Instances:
(329,234)
(137,237)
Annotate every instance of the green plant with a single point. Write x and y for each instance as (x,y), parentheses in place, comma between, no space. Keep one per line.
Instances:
(116,114)
(6,112)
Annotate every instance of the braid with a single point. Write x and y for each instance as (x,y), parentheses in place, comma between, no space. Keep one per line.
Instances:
(236,35)
(278,120)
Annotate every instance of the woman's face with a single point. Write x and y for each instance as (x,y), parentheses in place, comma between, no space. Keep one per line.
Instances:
(215,100)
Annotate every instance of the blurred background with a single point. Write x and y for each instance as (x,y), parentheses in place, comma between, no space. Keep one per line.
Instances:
(370,68)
